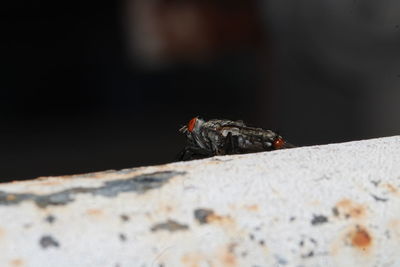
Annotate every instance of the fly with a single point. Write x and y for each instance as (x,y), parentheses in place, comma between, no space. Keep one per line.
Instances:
(226,137)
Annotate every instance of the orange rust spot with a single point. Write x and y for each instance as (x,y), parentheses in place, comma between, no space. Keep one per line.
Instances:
(315,203)
(360,238)
(168,208)
(94,212)
(48,182)
(392,189)
(10,197)
(214,162)
(192,260)
(97,175)
(252,207)
(228,258)
(232,206)
(223,256)
(215,218)
(350,209)
(2,232)
(394,227)
(17,263)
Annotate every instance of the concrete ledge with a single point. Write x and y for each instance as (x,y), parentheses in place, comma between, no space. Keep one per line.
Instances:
(332,205)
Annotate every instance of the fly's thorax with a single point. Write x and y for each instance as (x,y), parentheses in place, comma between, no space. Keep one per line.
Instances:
(211,138)
(202,134)
(211,125)
(193,131)
(198,125)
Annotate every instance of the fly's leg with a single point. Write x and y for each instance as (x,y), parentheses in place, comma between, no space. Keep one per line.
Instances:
(192,152)
(214,148)
(231,145)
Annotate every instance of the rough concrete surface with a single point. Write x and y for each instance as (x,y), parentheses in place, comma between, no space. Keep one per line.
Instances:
(331,205)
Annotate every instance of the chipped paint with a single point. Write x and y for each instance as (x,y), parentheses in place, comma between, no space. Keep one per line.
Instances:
(48,241)
(137,184)
(122,237)
(169,225)
(202,215)
(319,219)
(209,216)
(50,219)
(124,217)
(379,198)
(333,205)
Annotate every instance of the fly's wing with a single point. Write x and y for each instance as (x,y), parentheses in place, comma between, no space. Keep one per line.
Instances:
(215,123)
(238,124)
(250,139)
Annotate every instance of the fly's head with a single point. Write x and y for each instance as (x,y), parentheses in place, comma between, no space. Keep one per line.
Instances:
(193,129)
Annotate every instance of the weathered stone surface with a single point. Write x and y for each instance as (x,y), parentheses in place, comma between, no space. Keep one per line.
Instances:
(332,205)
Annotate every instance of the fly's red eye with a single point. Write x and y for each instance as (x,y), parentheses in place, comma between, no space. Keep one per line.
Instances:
(191,124)
(278,143)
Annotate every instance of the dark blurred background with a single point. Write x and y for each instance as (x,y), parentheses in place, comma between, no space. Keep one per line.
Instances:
(96,85)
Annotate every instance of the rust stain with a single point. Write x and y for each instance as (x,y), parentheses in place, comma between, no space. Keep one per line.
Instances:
(355,237)
(232,206)
(315,203)
(394,227)
(349,209)
(17,263)
(2,232)
(94,212)
(50,183)
(168,208)
(253,207)
(360,238)
(10,197)
(161,209)
(214,162)
(215,218)
(229,259)
(204,216)
(17,182)
(392,189)
(222,256)
(227,256)
(192,259)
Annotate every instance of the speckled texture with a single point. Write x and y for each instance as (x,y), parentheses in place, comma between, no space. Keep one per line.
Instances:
(332,205)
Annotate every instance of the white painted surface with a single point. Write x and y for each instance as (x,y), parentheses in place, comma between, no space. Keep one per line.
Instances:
(332,205)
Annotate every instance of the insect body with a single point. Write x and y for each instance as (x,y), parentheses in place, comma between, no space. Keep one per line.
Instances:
(225,137)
